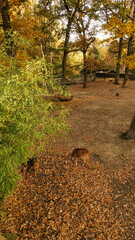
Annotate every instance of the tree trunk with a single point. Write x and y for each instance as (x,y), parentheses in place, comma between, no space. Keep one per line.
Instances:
(70,21)
(118,62)
(4,7)
(129,50)
(64,61)
(125,81)
(131,131)
(127,68)
(65,51)
(85,70)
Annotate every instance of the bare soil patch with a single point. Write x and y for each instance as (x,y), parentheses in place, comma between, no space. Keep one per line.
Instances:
(92,201)
(99,117)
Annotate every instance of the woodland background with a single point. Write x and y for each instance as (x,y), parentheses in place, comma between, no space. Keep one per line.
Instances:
(65,33)
(41,42)
(43,45)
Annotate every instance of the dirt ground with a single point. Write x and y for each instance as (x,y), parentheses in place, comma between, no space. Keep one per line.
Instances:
(100,114)
(91,201)
(99,117)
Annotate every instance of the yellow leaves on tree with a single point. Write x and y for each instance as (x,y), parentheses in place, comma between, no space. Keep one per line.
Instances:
(119,28)
(94,64)
(16,2)
(129,61)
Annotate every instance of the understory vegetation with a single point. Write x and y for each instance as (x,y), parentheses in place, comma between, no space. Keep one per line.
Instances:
(26,117)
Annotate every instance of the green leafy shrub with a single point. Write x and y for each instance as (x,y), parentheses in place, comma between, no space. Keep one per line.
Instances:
(26,116)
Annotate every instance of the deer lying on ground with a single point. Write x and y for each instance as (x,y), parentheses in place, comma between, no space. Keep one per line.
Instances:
(80,153)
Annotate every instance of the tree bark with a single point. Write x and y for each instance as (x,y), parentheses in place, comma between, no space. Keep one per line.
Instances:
(4,7)
(85,70)
(70,21)
(118,62)
(131,131)
(64,61)
(127,67)
(130,41)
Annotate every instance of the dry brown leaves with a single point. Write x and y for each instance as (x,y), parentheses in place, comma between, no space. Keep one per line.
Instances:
(65,201)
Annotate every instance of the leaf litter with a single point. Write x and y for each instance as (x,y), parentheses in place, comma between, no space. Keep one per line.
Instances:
(66,201)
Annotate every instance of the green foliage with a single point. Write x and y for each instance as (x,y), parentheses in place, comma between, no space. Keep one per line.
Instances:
(94,167)
(9,236)
(26,116)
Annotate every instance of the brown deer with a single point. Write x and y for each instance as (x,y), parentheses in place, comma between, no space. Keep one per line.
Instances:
(80,153)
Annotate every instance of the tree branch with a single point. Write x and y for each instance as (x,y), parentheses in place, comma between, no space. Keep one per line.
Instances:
(66,5)
(74,50)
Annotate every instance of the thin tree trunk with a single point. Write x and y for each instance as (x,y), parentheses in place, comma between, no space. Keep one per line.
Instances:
(50,41)
(65,52)
(131,131)
(118,62)
(4,7)
(127,67)
(125,80)
(85,70)
(70,21)
(130,41)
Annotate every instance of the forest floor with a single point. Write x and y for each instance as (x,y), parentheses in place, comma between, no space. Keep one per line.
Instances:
(92,201)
